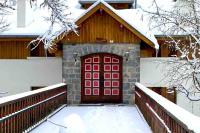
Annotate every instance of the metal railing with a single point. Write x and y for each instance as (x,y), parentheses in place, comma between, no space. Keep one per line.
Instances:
(22,111)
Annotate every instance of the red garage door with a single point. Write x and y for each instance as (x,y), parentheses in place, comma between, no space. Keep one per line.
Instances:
(101,78)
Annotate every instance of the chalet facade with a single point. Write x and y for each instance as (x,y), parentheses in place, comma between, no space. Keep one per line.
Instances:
(109,63)
(100,65)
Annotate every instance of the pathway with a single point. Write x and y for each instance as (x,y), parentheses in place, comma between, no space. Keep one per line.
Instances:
(95,119)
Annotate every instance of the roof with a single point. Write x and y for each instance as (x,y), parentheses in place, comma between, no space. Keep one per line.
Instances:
(108,1)
(130,17)
(134,24)
(19,36)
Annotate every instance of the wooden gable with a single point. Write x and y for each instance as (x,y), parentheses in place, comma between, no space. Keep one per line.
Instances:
(102,24)
(100,27)
(17,48)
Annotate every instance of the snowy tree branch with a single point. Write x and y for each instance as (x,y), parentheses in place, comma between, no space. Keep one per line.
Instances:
(182,72)
(58,17)
(5,9)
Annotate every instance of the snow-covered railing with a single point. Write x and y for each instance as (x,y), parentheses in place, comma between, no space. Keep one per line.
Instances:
(22,111)
(162,115)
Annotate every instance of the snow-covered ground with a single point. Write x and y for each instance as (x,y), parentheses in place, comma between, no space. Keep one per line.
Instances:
(95,119)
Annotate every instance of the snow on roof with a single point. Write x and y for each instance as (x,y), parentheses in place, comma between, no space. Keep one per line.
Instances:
(39,26)
(108,1)
(131,16)
(134,19)
(187,118)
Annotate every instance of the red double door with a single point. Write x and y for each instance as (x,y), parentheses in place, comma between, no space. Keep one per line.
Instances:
(101,78)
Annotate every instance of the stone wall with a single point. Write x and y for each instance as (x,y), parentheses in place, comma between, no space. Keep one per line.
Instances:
(72,71)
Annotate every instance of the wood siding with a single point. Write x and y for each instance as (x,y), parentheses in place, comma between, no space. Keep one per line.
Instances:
(167,47)
(163,91)
(101,28)
(146,51)
(13,49)
(16,48)
(38,51)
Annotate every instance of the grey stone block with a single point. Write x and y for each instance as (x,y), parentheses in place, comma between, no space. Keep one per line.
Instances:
(125,92)
(126,86)
(69,101)
(71,64)
(77,98)
(126,101)
(78,75)
(76,102)
(72,76)
(131,91)
(69,85)
(72,71)
(76,81)
(77,70)
(132,80)
(77,87)
(70,97)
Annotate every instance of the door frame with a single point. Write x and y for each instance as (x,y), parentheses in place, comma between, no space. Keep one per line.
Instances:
(102,54)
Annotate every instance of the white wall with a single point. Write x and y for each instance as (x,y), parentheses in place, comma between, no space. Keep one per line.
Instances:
(18,76)
(151,72)
(152,75)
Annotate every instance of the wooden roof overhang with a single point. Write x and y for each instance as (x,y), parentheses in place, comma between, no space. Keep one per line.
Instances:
(102,6)
(17,37)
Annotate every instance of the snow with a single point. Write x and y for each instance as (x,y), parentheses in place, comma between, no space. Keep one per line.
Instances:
(189,120)
(109,1)
(39,25)
(134,18)
(95,119)
(21,95)
(131,16)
